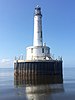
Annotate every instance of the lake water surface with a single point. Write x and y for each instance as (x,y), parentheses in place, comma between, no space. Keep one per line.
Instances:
(9,91)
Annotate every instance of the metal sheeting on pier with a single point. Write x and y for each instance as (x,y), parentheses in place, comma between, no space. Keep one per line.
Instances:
(37,73)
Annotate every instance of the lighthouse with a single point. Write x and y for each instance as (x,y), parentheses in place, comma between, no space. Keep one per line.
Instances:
(39,67)
(38,51)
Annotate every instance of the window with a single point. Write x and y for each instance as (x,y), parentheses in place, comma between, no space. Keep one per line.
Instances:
(42,50)
(31,50)
(48,51)
(41,34)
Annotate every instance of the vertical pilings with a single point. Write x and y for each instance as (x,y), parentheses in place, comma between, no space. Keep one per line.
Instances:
(36,73)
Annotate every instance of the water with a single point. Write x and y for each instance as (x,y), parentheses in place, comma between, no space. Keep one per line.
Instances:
(9,91)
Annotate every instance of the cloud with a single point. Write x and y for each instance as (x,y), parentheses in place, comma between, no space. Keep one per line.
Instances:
(5,60)
(6,63)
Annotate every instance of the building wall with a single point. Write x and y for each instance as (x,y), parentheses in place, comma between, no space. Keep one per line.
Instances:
(38,53)
(38,39)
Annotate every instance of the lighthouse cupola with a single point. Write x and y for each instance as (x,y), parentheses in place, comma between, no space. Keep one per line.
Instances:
(38,10)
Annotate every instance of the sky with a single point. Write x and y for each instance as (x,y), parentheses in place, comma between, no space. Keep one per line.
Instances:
(17,29)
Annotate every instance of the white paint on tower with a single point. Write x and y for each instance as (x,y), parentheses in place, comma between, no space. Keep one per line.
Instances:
(38,27)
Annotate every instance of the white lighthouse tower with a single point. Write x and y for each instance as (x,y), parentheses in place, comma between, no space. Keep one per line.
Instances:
(38,51)
(38,27)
